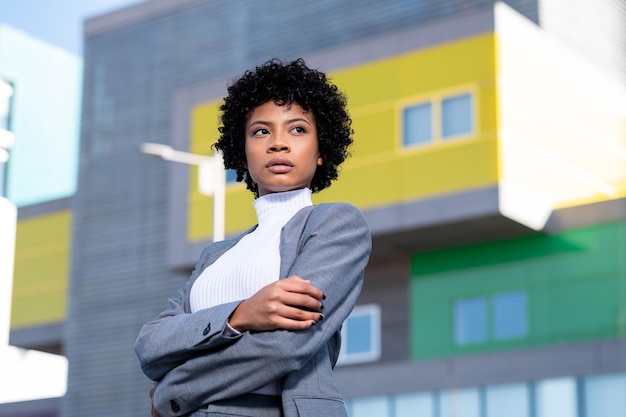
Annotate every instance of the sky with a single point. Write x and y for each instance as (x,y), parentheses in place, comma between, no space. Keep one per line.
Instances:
(58,22)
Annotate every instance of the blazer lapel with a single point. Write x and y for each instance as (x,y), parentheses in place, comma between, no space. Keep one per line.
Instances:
(291,239)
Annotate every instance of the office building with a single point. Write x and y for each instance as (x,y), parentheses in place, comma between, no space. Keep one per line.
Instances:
(489,161)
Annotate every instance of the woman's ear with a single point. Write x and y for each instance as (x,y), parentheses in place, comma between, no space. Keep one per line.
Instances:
(320,161)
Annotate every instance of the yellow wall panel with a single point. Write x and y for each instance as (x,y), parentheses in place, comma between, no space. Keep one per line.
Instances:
(418,72)
(487,108)
(41,270)
(368,84)
(375,132)
(364,186)
(440,67)
(450,168)
(204,123)
(423,173)
(200,218)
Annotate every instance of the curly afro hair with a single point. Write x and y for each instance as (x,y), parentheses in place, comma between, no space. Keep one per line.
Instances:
(285,84)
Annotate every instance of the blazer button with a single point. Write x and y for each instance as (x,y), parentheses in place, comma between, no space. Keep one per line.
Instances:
(206,330)
(174,405)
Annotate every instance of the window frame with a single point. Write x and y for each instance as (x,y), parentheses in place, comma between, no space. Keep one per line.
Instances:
(490,317)
(435,100)
(432,127)
(472,111)
(464,337)
(374,354)
(495,331)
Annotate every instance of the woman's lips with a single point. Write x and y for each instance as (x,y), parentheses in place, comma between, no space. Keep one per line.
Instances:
(279,165)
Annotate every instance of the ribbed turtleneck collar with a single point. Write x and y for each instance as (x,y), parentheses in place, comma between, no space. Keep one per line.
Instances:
(281,206)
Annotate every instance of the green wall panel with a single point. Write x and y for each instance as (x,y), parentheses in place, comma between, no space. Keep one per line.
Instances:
(575,284)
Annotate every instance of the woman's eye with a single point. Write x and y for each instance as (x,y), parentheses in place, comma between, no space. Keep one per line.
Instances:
(259,132)
(298,129)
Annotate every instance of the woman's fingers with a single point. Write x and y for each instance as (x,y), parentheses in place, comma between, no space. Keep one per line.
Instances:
(300,314)
(290,304)
(293,318)
(298,285)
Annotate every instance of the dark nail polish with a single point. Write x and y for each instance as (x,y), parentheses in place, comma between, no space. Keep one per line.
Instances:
(323,296)
(321,317)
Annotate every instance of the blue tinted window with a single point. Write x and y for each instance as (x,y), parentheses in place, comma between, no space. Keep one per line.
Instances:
(370,407)
(418,124)
(231,175)
(508,400)
(414,404)
(470,321)
(456,116)
(359,334)
(509,316)
(604,396)
(556,397)
(460,403)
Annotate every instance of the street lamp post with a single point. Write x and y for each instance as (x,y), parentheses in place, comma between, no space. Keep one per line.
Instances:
(211,178)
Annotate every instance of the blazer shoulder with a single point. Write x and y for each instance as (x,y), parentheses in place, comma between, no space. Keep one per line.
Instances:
(333,217)
(341,211)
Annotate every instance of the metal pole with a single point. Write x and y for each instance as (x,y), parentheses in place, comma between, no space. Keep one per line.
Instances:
(211,182)
(219,197)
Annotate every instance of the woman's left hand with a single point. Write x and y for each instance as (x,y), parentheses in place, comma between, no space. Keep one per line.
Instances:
(288,304)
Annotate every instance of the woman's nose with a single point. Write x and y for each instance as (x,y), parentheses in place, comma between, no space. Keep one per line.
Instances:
(278,144)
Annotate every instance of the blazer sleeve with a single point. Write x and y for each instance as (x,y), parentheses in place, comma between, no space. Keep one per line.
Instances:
(176,335)
(333,253)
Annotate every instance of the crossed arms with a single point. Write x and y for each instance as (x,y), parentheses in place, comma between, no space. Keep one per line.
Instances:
(196,362)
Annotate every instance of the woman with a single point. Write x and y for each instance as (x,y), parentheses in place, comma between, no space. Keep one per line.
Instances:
(256,330)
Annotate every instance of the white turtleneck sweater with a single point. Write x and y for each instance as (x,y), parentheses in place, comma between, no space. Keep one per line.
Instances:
(253,262)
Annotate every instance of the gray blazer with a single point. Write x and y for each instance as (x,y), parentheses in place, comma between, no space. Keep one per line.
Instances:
(197,364)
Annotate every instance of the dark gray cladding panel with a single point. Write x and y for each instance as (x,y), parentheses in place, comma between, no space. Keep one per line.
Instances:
(513,366)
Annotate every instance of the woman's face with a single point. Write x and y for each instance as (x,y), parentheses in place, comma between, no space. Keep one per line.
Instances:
(282,152)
